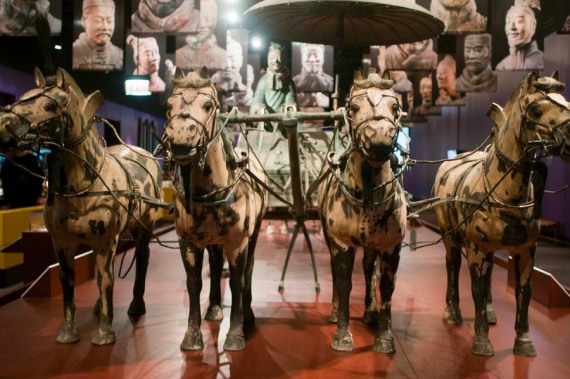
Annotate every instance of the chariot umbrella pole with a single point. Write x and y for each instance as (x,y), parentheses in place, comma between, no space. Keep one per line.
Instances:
(289,120)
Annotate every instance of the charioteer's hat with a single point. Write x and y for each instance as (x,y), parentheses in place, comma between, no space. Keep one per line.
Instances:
(98,3)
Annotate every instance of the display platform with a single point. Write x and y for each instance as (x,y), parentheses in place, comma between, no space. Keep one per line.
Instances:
(292,335)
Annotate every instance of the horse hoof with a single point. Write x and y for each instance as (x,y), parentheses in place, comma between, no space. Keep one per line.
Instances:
(97,308)
(334,317)
(482,346)
(136,308)
(371,317)
(234,343)
(248,316)
(214,313)
(452,315)
(192,341)
(103,338)
(68,334)
(524,346)
(491,315)
(384,346)
(342,341)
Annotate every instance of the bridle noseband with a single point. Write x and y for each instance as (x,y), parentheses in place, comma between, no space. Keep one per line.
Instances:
(205,140)
(395,121)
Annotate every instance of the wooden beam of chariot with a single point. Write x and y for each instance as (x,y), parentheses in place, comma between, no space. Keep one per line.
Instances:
(281,117)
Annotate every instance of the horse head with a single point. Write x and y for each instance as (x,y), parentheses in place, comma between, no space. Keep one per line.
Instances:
(374,115)
(191,114)
(545,115)
(50,111)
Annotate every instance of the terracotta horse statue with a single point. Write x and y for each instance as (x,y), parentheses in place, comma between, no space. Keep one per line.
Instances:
(494,200)
(94,192)
(362,204)
(219,205)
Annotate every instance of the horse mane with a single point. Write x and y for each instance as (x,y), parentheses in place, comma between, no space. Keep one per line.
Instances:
(372,81)
(195,79)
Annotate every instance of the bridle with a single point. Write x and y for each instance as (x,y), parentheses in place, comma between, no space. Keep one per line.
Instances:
(395,121)
(206,140)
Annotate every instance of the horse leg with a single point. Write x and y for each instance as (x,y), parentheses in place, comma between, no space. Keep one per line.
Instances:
(369,266)
(248,316)
(66,257)
(479,268)
(216,260)
(452,313)
(524,264)
(384,342)
(343,262)
(491,315)
(235,339)
(142,237)
(105,271)
(193,258)
(334,313)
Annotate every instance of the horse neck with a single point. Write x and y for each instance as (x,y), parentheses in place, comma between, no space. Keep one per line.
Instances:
(360,175)
(216,173)
(77,164)
(515,186)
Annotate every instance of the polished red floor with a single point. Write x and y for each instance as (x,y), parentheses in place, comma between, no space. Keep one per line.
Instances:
(292,336)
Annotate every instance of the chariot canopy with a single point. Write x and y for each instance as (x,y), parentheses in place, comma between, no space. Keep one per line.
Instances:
(343,22)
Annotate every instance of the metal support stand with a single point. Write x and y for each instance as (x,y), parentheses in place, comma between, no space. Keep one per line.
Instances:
(300,224)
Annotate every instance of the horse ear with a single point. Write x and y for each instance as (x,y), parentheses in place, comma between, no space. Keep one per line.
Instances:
(204,73)
(496,114)
(178,73)
(386,75)
(40,79)
(60,78)
(532,77)
(92,103)
(554,75)
(358,75)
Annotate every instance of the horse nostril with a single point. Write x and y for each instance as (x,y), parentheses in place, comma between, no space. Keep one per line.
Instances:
(369,132)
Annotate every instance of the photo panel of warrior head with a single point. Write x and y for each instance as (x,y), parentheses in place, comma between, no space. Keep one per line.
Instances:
(98,35)
(518,41)
(144,56)
(18,17)
(415,56)
(231,82)
(460,16)
(167,17)
(420,101)
(474,70)
(312,67)
(206,47)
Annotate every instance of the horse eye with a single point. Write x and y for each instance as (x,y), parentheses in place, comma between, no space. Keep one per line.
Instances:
(50,106)
(354,108)
(208,106)
(396,109)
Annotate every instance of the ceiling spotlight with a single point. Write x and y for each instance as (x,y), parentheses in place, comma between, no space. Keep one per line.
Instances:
(256,42)
(233,17)
(57,47)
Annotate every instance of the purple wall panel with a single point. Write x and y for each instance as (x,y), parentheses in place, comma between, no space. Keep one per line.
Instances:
(431,140)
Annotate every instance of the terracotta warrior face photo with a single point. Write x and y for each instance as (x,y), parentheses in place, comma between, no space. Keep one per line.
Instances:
(520,25)
(149,58)
(313,58)
(275,60)
(445,74)
(163,8)
(234,59)
(208,20)
(415,47)
(99,23)
(426,90)
(477,52)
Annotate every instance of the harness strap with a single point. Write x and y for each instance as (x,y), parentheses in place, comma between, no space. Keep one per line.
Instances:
(133,187)
(269,189)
